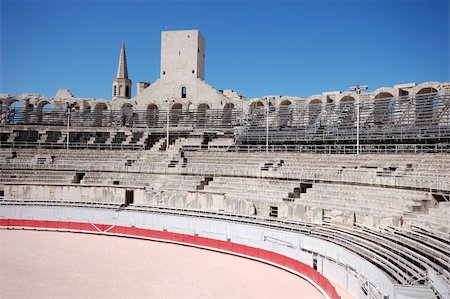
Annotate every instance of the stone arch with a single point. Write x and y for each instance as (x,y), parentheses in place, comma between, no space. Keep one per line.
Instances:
(286,103)
(126,113)
(100,107)
(16,104)
(75,113)
(177,106)
(346,115)
(44,111)
(256,107)
(427,90)
(229,106)
(202,114)
(100,114)
(203,107)
(426,102)
(314,109)
(382,108)
(285,111)
(14,112)
(45,105)
(227,114)
(152,115)
(86,108)
(347,99)
(152,107)
(176,113)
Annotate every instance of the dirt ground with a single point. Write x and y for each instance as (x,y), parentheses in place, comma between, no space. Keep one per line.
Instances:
(36,264)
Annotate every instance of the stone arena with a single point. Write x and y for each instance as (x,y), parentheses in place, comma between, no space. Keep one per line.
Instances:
(350,191)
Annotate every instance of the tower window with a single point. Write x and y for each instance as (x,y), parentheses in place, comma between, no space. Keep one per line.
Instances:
(115,90)
(193,71)
(127,91)
(183,92)
(164,72)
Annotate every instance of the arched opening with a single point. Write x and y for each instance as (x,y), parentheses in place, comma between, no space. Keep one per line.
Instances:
(256,107)
(202,117)
(86,108)
(100,114)
(382,108)
(45,109)
(285,112)
(127,91)
(346,117)
(314,109)
(256,113)
(426,102)
(75,114)
(13,113)
(183,92)
(176,113)
(229,106)
(86,111)
(126,114)
(227,113)
(152,115)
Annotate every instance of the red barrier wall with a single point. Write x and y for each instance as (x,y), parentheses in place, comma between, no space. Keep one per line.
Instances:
(212,244)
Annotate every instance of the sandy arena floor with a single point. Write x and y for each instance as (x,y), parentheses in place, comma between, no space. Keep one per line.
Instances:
(68,265)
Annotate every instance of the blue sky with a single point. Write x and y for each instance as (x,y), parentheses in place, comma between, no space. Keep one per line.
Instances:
(256,48)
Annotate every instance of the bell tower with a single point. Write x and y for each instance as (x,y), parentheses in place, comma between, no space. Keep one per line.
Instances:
(121,86)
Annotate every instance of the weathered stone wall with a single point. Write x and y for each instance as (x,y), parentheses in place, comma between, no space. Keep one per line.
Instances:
(101,194)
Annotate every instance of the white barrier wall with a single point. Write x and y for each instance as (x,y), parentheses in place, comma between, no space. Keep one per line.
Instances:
(348,270)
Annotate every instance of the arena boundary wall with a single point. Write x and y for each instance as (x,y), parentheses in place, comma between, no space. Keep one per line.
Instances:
(359,277)
(261,255)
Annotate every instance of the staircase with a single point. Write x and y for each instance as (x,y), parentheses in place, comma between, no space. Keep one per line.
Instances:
(160,145)
(204,183)
(297,192)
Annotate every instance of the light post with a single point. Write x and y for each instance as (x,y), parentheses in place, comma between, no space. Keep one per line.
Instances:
(357,89)
(69,108)
(267,125)
(169,100)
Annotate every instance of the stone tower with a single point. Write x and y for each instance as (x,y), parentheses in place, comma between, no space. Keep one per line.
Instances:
(182,55)
(121,86)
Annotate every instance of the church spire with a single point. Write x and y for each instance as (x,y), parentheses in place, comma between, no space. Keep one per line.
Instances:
(122,69)
(121,85)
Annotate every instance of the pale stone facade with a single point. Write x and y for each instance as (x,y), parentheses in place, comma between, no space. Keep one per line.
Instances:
(181,84)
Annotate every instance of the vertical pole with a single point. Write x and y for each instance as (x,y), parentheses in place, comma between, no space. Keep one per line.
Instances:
(357,121)
(167,133)
(358,89)
(267,126)
(68,125)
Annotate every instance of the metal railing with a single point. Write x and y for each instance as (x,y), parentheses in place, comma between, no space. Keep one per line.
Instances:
(420,119)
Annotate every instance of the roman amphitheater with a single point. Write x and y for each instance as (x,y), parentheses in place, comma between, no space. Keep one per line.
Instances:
(348,190)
